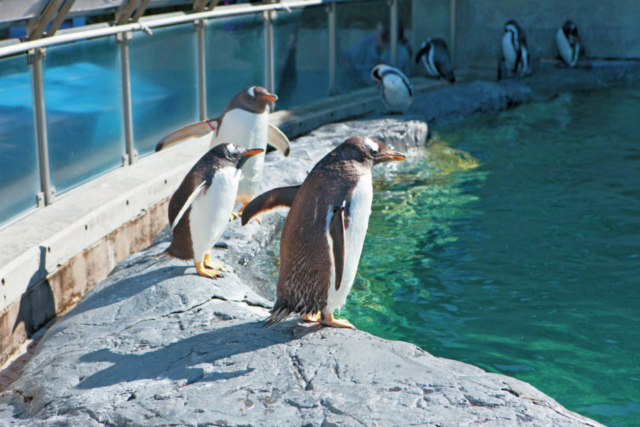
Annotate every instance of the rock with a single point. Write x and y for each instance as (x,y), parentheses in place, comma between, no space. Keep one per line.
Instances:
(155,344)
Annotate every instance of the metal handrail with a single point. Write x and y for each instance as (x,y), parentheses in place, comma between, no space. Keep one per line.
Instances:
(154,23)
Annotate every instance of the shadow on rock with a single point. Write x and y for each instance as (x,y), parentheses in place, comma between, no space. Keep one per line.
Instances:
(182,360)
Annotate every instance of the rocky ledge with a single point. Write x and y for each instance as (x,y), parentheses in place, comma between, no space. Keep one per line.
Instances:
(154,344)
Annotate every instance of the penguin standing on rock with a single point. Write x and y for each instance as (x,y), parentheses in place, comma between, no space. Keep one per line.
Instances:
(243,122)
(199,210)
(324,231)
(395,88)
(436,59)
(514,50)
(568,42)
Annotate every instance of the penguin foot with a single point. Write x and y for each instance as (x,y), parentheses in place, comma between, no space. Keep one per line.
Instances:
(215,266)
(234,215)
(207,273)
(327,319)
(310,317)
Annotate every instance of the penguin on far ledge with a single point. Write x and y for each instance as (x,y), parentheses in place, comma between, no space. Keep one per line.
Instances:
(395,88)
(244,122)
(515,52)
(324,231)
(199,210)
(436,59)
(568,42)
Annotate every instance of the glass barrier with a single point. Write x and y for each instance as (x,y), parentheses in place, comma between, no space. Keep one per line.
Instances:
(301,52)
(83,103)
(164,83)
(235,58)
(19,176)
(406,41)
(362,42)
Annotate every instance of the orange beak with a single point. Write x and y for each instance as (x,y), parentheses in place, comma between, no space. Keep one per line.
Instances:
(253,152)
(393,155)
(270,97)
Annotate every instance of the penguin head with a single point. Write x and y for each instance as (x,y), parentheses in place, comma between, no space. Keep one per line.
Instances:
(570,31)
(369,150)
(378,72)
(256,98)
(513,27)
(235,155)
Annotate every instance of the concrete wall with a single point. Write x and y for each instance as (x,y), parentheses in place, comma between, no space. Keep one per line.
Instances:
(609,29)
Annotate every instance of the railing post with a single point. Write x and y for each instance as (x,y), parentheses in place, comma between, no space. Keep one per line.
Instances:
(35,58)
(269,16)
(200,25)
(123,40)
(393,31)
(331,10)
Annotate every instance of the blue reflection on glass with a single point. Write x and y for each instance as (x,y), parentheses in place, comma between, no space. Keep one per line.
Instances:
(19,178)
(84,111)
(164,84)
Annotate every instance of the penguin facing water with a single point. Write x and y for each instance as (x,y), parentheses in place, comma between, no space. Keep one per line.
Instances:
(243,122)
(199,210)
(324,231)
(514,50)
(568,42)
(395,88)
(436,59)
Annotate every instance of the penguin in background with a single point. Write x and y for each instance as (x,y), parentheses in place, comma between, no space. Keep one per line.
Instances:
(244,122)
(200,208)
(436,59)
(324,231)
(395,88)
(515,52)
(568,42)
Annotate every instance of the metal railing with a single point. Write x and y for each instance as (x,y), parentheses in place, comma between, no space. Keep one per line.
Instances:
(36,52)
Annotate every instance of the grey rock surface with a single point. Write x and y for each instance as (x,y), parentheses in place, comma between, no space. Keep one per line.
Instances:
(155,344)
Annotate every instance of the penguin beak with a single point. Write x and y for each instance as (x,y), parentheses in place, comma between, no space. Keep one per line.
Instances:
(387,156)
(270,97)
(246,156)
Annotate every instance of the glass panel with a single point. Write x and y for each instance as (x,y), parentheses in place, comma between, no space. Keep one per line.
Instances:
(164,83)
(405,36)
(19,176)
(235,58)
(301,50)
(84,111)
(363,42)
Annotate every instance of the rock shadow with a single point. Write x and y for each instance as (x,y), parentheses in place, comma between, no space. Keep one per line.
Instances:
(177,361)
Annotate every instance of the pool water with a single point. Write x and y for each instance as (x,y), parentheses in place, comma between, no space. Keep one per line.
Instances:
(514,245)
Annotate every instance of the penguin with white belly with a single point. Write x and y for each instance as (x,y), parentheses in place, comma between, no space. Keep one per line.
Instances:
(436,59)
(244,122)
(568,42)
(514,50)
(395,88)
(199,210)
(324,231)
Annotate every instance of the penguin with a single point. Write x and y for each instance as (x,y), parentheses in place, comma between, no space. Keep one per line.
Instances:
(395,88)
(200,208)
(436,59)
(243,122)
(515,50)
(324,231)
(568,43)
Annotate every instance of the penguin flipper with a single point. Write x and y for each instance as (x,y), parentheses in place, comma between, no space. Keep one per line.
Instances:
(281,197)
(278,139)
(190,131)
(336,231)
(423,51)
(188,203)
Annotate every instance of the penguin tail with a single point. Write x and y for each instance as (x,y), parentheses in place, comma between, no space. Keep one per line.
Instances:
(278,314)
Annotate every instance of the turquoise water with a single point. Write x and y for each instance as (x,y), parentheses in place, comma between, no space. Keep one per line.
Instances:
(514,245)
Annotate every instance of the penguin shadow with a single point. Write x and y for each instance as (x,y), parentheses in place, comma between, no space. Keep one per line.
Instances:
(37,304)
(183,360)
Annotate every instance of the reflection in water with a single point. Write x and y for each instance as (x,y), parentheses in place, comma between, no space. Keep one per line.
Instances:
(518,250)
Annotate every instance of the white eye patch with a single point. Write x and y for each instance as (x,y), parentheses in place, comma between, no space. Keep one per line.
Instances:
(373,146)
(232,149)
(252,91)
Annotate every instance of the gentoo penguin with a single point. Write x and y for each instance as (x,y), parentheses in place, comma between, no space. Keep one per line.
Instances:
(568,43)
(324,231)
(514,49)
(199,210)
(395,88)
(243,122)
(436,59)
